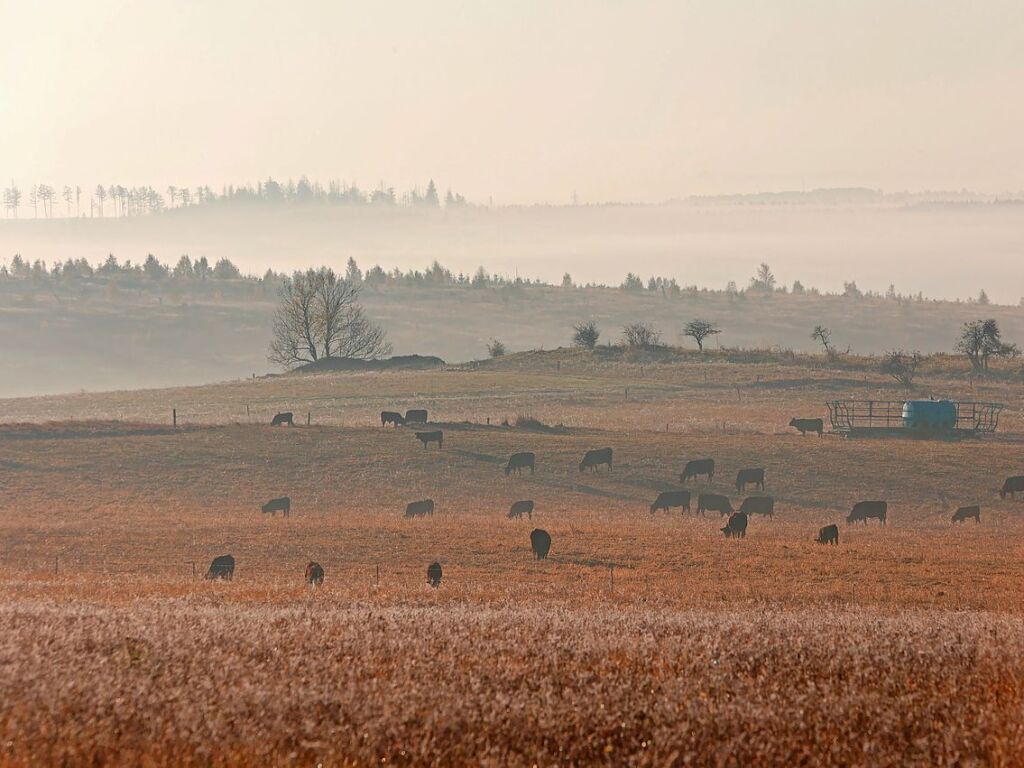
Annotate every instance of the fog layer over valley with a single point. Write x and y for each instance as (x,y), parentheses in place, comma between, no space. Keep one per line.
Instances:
(97,333)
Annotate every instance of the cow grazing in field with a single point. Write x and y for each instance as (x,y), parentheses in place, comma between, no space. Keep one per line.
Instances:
(431,437)
(668,499)
(416,416)
(866,510)
(540,543)
(715,503)
(314,574)
(828,535)
(222,567)
(808,425)
(391,417)
(283,418)
(966,513)
(1012,486)
(697,467)
(736,527)
(420,508)
(747,476)
(520,508)
(434,575)
(595,458)
(758,505)
(283,504)
(519,461)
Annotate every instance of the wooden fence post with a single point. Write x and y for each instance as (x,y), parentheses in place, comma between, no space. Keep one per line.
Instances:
(376,578)
(308,418)
(611,576)
(56,564)
(174,416)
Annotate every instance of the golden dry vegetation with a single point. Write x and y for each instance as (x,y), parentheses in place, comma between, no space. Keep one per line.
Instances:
(643,639)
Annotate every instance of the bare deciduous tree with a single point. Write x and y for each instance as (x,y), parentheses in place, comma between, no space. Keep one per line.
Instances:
(319,316)
(902,366)
(698,330)
(641,335)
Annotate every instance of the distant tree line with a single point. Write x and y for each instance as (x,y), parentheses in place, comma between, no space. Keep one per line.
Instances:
(118,200)
(151,269)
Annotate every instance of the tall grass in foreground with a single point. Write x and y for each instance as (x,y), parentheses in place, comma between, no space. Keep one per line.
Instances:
(169,682)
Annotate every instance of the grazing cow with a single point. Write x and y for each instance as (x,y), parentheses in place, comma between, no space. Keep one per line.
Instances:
(808,425)
(736,527)
(758,505)
(420,508)
(698,467)
(1012,486)
(715,503)
(520,508)
(283,504)
(865,510)
(517,461)
(540,542)
(222,567)
(431,437)
(747,476)
(390,417)
(434,575)
(416,416)
(283,418)
(595,458)
(668,499)
(966,513)
(314,574)
(828,535)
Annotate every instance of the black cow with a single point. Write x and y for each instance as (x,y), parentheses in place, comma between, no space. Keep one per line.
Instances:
(540,542)
(736,527)
(758,505)
(434,575)
(747,476)
(668,499)
(517,461)
(420,508)
(966,513)
(828,535)
(222,567)
(283,504)
(520,508)
(416,416)
(698,467)
(283,418)
(391,417)
(808,425)
(1012,486)
(866,510)
(715,503)
(314,574)
(595,458)
(431,437)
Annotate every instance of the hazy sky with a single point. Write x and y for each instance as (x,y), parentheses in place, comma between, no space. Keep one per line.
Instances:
(521,100)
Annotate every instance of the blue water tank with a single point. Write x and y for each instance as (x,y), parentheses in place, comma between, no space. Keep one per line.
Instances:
(929,414)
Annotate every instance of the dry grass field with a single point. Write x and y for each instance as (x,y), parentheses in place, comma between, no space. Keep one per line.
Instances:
(642,640)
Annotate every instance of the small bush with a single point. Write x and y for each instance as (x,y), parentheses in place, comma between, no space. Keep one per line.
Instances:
(496,348)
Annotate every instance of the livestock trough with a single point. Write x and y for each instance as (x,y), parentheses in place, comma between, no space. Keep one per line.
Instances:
(923,419)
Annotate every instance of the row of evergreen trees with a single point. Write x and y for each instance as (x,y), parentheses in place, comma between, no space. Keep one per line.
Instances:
(151,269)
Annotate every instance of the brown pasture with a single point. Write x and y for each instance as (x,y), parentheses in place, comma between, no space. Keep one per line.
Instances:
(643,639)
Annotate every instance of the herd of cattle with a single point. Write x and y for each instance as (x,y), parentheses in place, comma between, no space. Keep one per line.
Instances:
(223,567)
